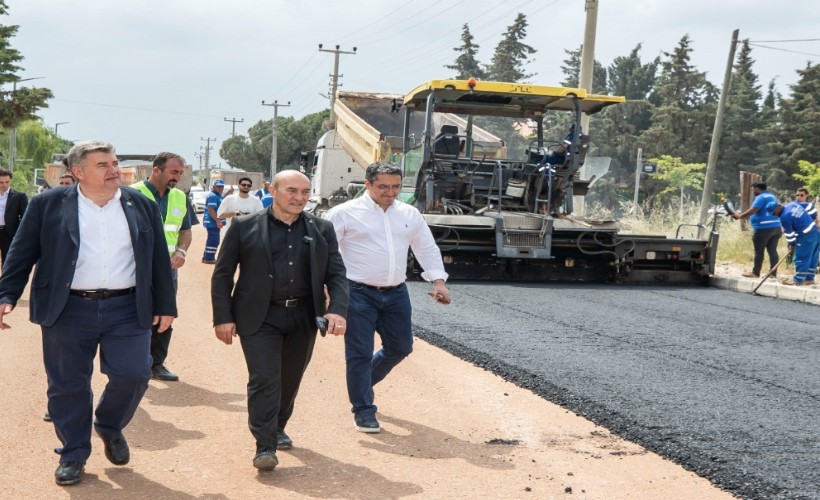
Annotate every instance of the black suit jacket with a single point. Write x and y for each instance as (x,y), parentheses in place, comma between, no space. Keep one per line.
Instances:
(49,236)
(247,245)
(15,209)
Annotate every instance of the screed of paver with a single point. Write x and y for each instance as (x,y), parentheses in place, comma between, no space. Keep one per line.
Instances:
(450,430)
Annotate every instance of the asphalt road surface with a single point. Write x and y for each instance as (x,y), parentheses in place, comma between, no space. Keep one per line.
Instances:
(725,384)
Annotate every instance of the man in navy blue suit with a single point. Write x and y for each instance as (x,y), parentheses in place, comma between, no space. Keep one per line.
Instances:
(103,278)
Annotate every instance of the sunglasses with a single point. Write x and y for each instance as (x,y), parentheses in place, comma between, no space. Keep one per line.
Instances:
(245,185)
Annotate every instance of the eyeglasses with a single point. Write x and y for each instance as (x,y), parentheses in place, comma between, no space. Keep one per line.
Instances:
(245,185)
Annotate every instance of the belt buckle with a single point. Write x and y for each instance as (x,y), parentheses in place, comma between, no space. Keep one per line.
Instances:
(291,302)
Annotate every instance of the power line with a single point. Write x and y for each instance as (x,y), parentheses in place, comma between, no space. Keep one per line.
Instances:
(359,30)
(784,50)
(786,41)
(137,108)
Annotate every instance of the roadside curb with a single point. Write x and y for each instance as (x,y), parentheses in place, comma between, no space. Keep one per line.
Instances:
(808,294)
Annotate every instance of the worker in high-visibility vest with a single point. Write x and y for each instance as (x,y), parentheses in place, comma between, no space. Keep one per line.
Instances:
(177,216)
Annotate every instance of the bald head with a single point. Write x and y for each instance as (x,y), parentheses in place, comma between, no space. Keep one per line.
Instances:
(289,175)
(291,190)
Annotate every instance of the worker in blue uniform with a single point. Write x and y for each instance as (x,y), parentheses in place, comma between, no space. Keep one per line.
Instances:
(212,223)
(803,238)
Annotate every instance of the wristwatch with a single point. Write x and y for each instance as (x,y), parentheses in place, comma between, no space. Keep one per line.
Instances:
(183,252)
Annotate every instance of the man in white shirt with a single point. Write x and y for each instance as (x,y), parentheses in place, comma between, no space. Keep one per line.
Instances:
(102,277)
(375,232)
(241,203)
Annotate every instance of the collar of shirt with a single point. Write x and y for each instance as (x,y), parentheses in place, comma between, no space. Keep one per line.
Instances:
(106,255)
(374,243)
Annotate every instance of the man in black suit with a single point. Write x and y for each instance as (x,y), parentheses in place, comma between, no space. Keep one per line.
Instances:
(286,258)
(12,207)
(103,277)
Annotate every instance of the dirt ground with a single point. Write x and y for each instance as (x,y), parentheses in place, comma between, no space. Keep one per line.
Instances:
(449,430)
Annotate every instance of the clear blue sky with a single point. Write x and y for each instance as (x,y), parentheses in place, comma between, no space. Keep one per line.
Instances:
(151,75)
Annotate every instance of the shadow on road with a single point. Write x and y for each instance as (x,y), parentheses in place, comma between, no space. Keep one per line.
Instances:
(323,477)
(131,485)
(184,395)
(154,435)
(421,441)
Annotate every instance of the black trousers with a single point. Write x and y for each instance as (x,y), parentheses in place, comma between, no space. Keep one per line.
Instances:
(161,341)
(5,243)
(277,356)
(765,239)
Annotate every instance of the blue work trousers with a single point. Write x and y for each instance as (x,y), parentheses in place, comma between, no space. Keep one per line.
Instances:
(69,348)
(806,255)
(211,244)
(387,313)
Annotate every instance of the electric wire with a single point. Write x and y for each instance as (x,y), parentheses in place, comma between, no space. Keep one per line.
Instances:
(783,50)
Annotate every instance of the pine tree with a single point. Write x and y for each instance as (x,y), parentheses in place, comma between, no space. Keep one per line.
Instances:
(685,109)
(21,104)
(512,54)
(572,71)
(629,77)
(739,146)
(466,65)
(800,119)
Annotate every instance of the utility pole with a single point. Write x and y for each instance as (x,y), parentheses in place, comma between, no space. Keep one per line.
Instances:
(334,77)
(13,132)
(207,156)
(585,79)
(588,54)
(233,125)
(274,134)
(635,206)
(714,148)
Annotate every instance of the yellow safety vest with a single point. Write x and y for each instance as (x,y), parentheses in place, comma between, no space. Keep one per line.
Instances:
(177,208)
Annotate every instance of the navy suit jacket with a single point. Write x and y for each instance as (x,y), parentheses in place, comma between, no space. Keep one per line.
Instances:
(15,208)
(49,236)
(247,246)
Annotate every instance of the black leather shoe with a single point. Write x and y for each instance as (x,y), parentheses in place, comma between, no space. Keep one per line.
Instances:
(68,473)
(283,441)
(159,372)
(265,460)
(116,450)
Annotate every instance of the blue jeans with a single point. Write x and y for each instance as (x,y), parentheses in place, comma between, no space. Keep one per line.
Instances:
(211,244)
(388,314)
(69,348)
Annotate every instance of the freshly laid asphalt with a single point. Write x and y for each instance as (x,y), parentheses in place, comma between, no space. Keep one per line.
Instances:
(724,383)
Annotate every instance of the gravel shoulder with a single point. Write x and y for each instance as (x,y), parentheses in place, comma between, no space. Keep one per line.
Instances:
(450,430)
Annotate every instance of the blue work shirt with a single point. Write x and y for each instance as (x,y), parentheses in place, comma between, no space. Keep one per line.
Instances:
(213,201)
(796,222)
(764,218)
(267,200)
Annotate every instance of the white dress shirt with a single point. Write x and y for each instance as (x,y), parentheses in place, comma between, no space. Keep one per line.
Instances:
(4,198)
(374,242)
(106,258)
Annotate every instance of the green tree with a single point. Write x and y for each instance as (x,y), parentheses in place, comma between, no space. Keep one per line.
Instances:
(678,177)
(685,103)
(35,146)
(739,146)
(800,124)
(16,105)
(809,175)
(617,129)
(466,65)
(572,71)
(629,77)
(511,54)
(253,153)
